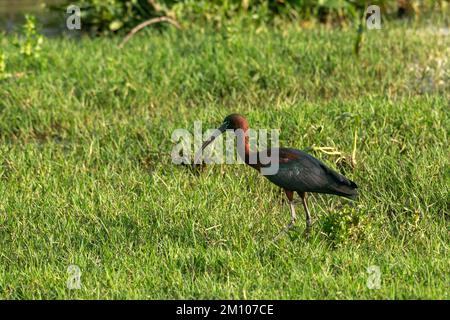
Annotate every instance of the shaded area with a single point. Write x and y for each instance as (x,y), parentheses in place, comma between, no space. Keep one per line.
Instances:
(12,15)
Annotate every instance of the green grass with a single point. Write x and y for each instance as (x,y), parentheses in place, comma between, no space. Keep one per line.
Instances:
(86,176)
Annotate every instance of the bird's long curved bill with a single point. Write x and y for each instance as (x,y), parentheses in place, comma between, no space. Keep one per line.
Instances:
(215,134)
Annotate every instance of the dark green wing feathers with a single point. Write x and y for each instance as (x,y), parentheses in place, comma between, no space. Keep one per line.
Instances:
(299,171)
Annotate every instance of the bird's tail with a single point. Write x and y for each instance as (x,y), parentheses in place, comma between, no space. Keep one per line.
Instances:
(347,190)
(342,186)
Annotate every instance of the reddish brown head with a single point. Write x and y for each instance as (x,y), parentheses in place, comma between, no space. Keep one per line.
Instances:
(231,122)
(235,121)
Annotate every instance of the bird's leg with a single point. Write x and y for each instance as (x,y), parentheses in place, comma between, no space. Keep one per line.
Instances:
(290,196)
(293,216)
(305,206)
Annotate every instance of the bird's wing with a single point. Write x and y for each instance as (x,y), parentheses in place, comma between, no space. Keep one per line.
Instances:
(300,171)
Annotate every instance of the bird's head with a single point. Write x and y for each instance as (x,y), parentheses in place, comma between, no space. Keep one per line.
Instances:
(231,122)
(234,121)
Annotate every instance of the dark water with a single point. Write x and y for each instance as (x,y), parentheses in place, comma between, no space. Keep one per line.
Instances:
(12,15)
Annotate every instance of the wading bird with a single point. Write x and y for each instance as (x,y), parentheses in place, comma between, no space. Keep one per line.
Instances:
(297,170)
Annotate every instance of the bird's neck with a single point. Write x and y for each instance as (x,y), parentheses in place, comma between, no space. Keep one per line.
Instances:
(243,151)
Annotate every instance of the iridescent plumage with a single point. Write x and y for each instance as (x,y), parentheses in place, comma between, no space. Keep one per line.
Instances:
(297,171)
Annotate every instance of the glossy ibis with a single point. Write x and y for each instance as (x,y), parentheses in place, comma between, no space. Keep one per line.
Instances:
(297,170)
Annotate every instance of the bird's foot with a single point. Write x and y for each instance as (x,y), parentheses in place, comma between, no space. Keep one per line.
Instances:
(284,230)
(307,232)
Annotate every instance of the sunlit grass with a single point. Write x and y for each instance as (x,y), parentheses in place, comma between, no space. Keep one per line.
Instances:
(86,176)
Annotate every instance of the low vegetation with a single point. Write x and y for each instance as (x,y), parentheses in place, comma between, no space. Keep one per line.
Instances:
(86,176)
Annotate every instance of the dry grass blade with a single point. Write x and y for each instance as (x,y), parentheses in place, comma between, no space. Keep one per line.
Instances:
(146,24)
